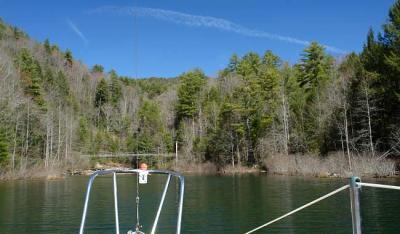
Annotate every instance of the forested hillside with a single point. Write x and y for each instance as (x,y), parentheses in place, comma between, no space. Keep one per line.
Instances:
(54,109)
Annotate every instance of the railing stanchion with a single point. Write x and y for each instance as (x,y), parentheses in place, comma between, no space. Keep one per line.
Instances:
(89,187)
(180,205)
(355,204)
(116,203)
(153,229)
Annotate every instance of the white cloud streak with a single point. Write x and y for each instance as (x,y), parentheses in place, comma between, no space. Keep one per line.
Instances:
(204,21)
(76,30)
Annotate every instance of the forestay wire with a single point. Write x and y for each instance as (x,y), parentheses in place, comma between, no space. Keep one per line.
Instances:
(300,208)
(138,226)
(136,68)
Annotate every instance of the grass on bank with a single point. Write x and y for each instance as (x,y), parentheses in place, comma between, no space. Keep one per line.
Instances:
(332,165)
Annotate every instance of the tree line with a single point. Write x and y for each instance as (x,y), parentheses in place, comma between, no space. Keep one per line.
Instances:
(53,108)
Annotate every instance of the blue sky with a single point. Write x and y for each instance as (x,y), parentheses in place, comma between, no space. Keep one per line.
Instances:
(165,38)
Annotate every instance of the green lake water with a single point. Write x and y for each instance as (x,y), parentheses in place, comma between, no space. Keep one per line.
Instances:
(213,204)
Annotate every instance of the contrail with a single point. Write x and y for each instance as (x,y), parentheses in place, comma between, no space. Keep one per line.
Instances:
(203,21)
(77,31)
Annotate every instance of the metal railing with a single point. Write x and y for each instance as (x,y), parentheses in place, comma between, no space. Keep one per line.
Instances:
(354,185)
(137,171)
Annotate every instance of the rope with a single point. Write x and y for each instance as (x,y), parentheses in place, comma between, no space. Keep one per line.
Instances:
(380,186)
(300,208)
(137,199)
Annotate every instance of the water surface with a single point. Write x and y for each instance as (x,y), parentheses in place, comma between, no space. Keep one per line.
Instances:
(213,204)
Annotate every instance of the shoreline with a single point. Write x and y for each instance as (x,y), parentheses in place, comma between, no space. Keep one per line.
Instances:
(194,169)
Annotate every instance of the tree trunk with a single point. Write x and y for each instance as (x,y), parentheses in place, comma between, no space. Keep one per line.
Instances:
(193,129)
(70,135)
(15,144)
(238,155)
(285,123)
(51,141)
(200,122)
(371,143)
(47,150)
(342,142)
(250,153)
(27,138)
(66,138)
(346,132)
(232,155)
(59,134)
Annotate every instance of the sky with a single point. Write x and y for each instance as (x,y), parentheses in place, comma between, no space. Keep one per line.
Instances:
(161,38)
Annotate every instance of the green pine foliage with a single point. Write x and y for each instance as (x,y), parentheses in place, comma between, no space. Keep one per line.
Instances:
(102,97)
(4,150)
(47,46)
(97,68)
(153,86)
(115,88)
(68,58)
(381,59)
(191,85)
(102,94)
(83,133)
(31,75)
(314,73)
(149,117)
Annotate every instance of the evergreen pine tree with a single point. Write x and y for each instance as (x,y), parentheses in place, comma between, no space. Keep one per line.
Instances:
(102,94)
(249,65)
(97,68)
(381,58)
(31,74)
(390,84)
(47,46)
(3,148)
(83,133)
(115,88)
(314,73)
(314,67)
(191,84)
(62,85)
(233,63)
(68,58)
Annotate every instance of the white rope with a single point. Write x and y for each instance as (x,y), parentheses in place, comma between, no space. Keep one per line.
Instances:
(380,186)
(300,208)
(137,199)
